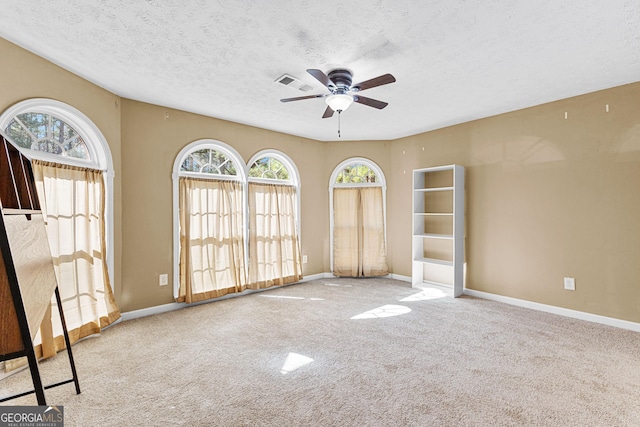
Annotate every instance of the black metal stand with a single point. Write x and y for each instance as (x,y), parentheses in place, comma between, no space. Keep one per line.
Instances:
(38,388)
(26,348)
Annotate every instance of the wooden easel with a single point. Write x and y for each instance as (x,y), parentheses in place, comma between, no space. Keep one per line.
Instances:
(15,335)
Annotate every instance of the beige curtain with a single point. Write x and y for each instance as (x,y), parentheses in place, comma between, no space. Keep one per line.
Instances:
(359,248)
(211,239)
(73,203)
(274,246)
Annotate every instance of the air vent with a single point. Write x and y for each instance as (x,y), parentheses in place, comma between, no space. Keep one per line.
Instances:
(291,81)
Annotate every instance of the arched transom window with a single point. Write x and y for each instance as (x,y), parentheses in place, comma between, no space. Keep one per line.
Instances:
(209,161)
(356,172)
(45,132)
(50,130)
(270,165)
(269,168)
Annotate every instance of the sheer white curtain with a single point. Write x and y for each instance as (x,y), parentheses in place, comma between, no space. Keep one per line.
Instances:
(73,203)
(274,246)
(211,239)
(359,248)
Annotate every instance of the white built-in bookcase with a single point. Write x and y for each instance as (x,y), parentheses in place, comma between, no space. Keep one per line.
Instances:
(438,227)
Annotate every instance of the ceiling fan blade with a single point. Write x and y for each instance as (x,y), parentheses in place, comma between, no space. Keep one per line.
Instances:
(321,77)
(327,113)
(370,102)
(302,97)
(385,79)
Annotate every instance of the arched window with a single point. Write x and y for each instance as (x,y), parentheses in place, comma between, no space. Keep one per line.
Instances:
(48,133)
(53,131)
(49,130)
(270,165)
(73,170)
(210,161)
(358,219)
(274,218)
(209,221)
(356,173)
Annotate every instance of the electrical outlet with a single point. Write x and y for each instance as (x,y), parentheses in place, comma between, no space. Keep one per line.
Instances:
(163,279)
(304,259)
(570,283)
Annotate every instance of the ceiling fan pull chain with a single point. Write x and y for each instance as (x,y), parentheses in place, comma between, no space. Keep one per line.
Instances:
(339,111)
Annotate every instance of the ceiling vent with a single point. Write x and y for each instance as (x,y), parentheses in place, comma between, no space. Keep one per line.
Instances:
(288,80)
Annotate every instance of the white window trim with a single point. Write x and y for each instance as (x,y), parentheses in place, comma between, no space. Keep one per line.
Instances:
(332,184)
(97,146)
(200,144)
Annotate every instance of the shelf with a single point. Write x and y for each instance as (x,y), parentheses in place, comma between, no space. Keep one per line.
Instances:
(447,288)
(435,261)
(435,236)
(427,190)
(434,213)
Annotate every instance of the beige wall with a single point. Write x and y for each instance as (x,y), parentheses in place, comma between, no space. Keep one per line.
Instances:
(547,197)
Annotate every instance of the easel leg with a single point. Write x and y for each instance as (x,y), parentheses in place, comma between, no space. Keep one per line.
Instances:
(35,376)
(67,341)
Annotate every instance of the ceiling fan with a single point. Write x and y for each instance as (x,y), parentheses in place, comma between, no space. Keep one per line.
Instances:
(342,93)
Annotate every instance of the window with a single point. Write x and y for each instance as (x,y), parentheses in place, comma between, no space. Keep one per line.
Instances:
(209,222)
(358,216)
(209,161)
(47,133)
(274,243)
(74,176)
(269,167)
(235,227)
(53,131)
(356,173)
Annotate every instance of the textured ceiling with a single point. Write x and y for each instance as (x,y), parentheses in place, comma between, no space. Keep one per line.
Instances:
(454,60)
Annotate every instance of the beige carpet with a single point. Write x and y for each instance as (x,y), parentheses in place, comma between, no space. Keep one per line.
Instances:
(346,352)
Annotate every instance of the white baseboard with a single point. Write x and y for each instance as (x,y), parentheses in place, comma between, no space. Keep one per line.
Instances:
(574,314)
(315,277)
(399,277)
(144,312)
(158,309)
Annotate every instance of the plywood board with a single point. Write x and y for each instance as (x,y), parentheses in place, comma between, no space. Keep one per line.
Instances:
(10,336)
(33,264)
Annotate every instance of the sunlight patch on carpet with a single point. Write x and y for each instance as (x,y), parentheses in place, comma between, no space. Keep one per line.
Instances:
(388,310)
(425,295)
(294,361)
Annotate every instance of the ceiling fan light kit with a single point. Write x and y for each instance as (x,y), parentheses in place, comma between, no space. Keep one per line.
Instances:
(339,102)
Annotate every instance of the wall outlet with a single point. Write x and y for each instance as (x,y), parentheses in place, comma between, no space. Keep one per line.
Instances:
(163,279)
(304,259)
(570,283)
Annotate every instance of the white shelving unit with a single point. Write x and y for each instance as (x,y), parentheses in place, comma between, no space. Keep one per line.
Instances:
(438,228)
